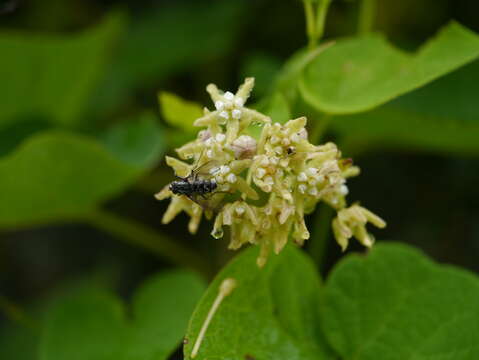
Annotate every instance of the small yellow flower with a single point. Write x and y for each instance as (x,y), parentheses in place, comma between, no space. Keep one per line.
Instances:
(282,168)
(352,222)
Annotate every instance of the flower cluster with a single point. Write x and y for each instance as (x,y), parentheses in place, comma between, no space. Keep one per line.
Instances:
(265,186)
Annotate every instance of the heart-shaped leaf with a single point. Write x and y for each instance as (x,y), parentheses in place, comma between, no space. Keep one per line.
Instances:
(441,117)
(52,76)
(362,73)
(397,304)
(94,325)
(56,174)
(271,314)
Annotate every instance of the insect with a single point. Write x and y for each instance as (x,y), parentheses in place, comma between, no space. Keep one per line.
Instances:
(194,187)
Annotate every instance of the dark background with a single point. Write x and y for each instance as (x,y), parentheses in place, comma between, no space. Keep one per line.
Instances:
(428,200)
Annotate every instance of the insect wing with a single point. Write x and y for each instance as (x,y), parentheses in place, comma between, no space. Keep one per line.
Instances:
(206,170)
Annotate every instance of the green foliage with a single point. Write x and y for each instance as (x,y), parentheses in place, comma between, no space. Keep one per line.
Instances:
(264,68)
(94,326)
(18,342)
(288,78)
(276,107)
(272,314)
(56,174)
(440,117)
(52,76)
(394,302)
(138,142)
(361,73)
(397,304)
(178,112)
(156,46)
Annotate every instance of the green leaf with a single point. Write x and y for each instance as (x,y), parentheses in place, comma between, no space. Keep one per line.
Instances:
(271,314)
(178,112)
(52,76)
(287,79)
(264,68)
(94,326)
(18,342)
(138,142)
(397,304)
(362,73)
(155,46)
(443,116)
(57,174)
(276,107)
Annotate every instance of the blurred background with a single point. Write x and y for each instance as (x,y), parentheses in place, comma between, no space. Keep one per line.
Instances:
(90,67)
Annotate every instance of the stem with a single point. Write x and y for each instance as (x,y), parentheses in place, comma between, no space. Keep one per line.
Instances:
(324,214)
(309,14)
(315,22)
(141,235)
(321,13)
(320,233)
(367,12)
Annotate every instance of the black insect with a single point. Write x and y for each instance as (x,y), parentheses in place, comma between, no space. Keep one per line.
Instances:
(195,187)
(191,186)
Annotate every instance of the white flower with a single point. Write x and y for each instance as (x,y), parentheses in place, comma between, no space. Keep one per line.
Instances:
(220,137)
(244,147)
(293,175)
(344,190)
(302,177)
(229,95)
(240,209)
(268,180)
(260,172)
(224,170)
(236,114)
(239,102)
(312,171)
(231,178)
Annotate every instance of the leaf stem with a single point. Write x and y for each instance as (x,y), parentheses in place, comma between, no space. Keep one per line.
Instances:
(320,233)
(321,13)
(142,236)
(315,21)
(309,14)
(367,12)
